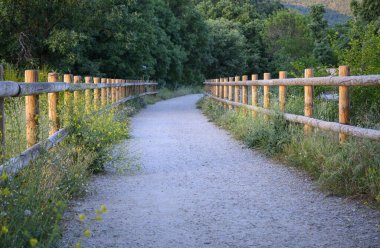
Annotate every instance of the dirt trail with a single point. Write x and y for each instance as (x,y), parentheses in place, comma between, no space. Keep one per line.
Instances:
(200,188)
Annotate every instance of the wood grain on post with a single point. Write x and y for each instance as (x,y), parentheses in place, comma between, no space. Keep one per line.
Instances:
(67,78)
(96,94)
(308,100)
(31,110)
(225,92)
(282,91)
(244,93)
(87,96)
(103,93)
(109,91)
(237,89)
(230,92)
(254,95)
(267,76)
(344,102)
(113,90)
(77,94)
(53,104)
(221,80)
(2,117)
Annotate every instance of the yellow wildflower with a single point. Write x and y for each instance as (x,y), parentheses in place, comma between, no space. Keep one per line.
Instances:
(87,233)
(103,208)
(4,230)
(33,242)
(98,217)
(82,217)
(78,245)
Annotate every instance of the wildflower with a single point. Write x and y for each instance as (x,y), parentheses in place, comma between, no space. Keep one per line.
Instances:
(33,242)
(98,218)
(78,245)
(103,208)
(87,233)
(27,212)
(4,230)
(82,217)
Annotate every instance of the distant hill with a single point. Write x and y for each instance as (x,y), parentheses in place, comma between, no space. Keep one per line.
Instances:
(337,11)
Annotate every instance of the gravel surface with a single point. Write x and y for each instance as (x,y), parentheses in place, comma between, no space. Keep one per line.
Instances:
(198,187)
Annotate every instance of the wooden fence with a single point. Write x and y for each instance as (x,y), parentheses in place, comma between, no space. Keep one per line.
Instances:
(100,95)
(234,92)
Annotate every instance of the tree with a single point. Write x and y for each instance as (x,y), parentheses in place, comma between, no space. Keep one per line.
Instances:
(227,44)
(322,50)
(287,37)
(366,10)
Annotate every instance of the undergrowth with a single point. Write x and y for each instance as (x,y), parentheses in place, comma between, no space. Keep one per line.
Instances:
(33,201)
(351,169)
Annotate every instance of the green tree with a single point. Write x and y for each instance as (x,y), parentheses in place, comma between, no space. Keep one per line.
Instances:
(318,26)
(288,38)
(227,44)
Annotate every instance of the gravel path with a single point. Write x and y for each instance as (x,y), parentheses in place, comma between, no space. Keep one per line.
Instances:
(200,188)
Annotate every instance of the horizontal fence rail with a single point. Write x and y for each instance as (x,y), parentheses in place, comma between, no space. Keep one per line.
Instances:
(100,95)
(233,92)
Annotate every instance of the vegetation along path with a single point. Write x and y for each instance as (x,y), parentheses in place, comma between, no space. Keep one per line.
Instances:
(198,187)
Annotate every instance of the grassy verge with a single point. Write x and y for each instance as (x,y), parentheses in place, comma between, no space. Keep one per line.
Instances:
(33,202)
(350,169)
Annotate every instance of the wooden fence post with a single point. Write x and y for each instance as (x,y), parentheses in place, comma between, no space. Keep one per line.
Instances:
(67,78)
(109,91)
(254,94)
(103,93)
(245,93)
(31,110)
(266,104)
(113,90)
(237,89)
(53,103)
(221,80)
(88,101)
(308,100)
(2,118)
(282,91)
(77,94)
(344,102)
(96,94)
(225,93)
(230,92)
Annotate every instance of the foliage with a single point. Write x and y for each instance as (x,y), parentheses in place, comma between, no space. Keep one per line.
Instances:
(288,38)
(318,26)
(340,169)
(342,6)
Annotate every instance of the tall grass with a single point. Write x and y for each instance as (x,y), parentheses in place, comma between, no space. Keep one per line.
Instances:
(33,201)
(349,169)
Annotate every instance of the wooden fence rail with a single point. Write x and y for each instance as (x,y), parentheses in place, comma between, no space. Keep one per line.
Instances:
(100,94)
(344,81)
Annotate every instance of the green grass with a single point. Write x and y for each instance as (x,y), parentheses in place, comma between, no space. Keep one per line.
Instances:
(350,169)
(32,202)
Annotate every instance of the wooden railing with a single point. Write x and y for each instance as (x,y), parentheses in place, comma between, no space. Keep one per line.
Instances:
(234,92)
(100,94)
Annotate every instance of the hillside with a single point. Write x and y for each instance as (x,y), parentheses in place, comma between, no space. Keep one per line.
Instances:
(341,6)
(337,11)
